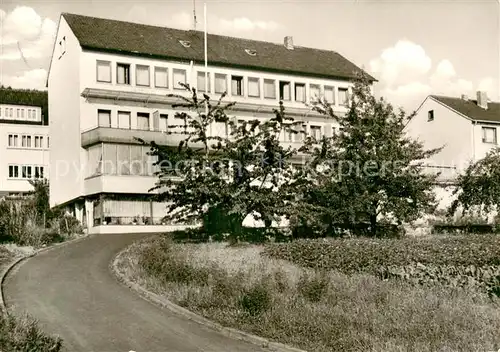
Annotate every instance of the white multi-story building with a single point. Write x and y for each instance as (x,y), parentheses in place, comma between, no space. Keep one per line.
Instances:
(108,83)
(24,143)
(466,130)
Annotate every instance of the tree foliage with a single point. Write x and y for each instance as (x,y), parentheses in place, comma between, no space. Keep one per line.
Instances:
(370,170)
(222,179)
(479,186)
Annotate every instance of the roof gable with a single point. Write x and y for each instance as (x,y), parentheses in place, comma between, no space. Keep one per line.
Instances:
(470,108)
(139,39)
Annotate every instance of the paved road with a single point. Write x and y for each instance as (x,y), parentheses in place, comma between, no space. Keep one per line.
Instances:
(72,293)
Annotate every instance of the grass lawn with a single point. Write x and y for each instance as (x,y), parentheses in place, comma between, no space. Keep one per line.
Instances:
(313,308)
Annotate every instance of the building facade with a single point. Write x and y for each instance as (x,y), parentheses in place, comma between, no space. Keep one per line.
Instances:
(109,83)
(24,143)
(466,129)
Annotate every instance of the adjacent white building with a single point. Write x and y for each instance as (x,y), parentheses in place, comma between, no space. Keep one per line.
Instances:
(465,128)
(24,148)
(108,83)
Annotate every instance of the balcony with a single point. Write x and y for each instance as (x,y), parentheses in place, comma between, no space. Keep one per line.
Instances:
(127,136)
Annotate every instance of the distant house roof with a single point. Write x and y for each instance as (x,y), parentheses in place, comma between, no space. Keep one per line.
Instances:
(185,45)
(470,108)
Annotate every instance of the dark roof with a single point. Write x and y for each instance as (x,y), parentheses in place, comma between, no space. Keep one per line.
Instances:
(29,97)
(470,108)
(139,39)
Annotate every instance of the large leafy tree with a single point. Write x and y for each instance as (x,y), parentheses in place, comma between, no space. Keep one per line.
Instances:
(479,187)
(368,171)
(223,179)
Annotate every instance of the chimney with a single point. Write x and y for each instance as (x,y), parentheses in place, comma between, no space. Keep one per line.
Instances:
(465,97)
(289,42)
(482,99)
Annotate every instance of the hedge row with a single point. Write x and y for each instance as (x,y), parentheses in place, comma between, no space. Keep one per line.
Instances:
(352,255)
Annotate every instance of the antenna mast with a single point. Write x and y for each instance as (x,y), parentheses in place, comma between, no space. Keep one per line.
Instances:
(194,14)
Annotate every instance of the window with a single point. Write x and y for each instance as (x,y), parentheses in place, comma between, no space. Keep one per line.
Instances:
(343,96)
(161,77)
(142,75)
(23,141)
(124,119)
(13,171)
(330,94)
(18,113)
(270,89)
(179,78)
(94,162)
(48,145)
(314,91)
(301,135)
(26,172)
(12,142)
(123,159)
(201,82)
(103,71)
(41,142)
(28,142)
(123,73)
(220,83)
(137,166)
(253,87)
(33,114)
(22,113)
(143,121)
(430,115)
(163,122)
(38,171)
(489,135)
(37,142)
(300,92)
(316,132)
(237,85)
(110,165)
(284,90)
(104,118)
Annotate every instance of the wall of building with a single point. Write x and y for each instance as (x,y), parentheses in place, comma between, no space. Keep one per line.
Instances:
(64,103)
(20,113)
(18,155)
(481,148)
(449,130)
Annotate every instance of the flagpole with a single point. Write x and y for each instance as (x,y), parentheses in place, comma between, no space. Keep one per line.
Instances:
(206,54)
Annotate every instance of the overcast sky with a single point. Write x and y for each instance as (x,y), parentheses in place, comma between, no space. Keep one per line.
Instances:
(414,48)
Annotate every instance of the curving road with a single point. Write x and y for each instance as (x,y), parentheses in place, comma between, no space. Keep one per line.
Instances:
(73,294)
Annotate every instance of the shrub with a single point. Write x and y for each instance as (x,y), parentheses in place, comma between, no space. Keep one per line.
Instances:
(22,334)
(160,261)
(457,261)
(256,300)
(313,286)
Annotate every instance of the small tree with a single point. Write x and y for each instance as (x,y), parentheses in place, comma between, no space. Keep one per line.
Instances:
(40,200)
(223,179)
(370,170)
(479,187)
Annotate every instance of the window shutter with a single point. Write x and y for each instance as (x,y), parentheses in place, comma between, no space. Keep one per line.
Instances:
(253,87)
(124,120)
(269,89)
(103,71)
(156,120)
(142,75)
(161,77)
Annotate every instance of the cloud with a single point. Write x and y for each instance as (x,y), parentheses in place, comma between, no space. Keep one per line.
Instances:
(32,79)
(23,30)
(244,24)
(401,64)
(406,76)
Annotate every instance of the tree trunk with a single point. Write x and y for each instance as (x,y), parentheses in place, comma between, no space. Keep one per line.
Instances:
(373,224)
